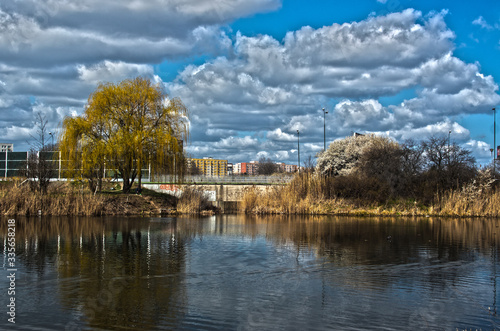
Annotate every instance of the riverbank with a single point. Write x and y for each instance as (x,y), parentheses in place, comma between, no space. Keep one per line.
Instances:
(305,195)
(63,199)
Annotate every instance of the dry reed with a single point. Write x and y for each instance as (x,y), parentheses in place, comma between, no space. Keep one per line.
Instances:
(311,194)
(193,201)
(304,195)
(478,198)
(470,201)
(16,199)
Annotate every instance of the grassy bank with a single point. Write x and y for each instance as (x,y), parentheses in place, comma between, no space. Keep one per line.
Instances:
(66,199)
(306,194)
(309,194)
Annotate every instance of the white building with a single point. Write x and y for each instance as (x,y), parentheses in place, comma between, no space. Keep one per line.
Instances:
(6,147)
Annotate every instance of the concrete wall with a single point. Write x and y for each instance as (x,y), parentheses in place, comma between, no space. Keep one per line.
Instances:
(220,192)
(223,196)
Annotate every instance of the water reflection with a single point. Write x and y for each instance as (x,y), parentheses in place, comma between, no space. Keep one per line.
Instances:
(240,272)
(107,269)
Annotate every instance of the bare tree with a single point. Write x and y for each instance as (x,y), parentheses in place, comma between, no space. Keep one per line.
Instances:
(266,166)
(42,133)
(412,162)
(310,164)
(41,164)
(381,162)
(412,158)
(447,166)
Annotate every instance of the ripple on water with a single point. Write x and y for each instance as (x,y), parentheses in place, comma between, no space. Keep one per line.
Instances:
(227,273)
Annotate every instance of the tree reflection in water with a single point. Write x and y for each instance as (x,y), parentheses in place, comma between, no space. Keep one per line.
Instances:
(230,270)
(122,272)
(375,249)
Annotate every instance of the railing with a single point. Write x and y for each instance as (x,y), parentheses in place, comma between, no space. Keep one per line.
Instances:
(12,164)
(15,164)
(234,179)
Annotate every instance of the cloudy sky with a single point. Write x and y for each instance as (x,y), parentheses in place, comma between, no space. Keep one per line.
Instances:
(253,72)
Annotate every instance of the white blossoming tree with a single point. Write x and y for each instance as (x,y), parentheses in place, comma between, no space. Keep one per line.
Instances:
(343,156)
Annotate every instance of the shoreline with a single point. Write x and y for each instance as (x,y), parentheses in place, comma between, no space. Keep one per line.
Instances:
(65,200)
(119,204)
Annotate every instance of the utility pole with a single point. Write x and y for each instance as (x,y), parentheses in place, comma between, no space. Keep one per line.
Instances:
(52,139)
(494,141)
(324,128)
(449,152)
(298,149)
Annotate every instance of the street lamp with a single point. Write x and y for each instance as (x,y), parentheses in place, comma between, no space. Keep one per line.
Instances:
(494,140)
(324,128)
(52,136)
(491,150)
(298,148)
(448,151)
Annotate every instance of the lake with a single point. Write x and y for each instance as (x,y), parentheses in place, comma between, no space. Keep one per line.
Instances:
(237,272)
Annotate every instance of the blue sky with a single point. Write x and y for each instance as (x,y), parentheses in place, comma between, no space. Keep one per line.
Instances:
(252,72)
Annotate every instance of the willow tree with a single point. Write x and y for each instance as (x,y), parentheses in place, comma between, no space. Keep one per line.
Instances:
(125,127)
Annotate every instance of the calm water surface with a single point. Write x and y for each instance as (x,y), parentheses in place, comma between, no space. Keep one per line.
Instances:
(253,273)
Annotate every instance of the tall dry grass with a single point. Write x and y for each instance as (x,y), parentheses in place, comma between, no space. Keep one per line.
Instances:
(17,199)
(475,199)
(311,194)
(193,201)
(305,194)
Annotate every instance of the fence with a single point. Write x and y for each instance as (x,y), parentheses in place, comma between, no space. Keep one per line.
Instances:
(230,179)
(15,164)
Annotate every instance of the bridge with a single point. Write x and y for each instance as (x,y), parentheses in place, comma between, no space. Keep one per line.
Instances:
(224,196)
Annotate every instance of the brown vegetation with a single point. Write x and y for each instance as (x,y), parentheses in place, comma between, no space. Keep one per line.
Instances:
(475,199)
(306,194)
(17,199)
(371,175)
(194,201)
(68,199)
(312,194)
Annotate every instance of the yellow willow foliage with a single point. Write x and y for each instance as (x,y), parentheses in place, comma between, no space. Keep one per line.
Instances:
(125,126)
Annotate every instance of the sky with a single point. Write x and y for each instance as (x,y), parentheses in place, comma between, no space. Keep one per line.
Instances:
(253,72)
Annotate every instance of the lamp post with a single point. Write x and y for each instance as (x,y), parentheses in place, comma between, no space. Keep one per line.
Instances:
(324,128)
(494,140)
(298,149)
(448,153)
(52,137)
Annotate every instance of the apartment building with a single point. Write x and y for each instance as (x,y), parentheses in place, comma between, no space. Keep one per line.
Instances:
(251,168)
(209,166)
(290,168)
(246,168)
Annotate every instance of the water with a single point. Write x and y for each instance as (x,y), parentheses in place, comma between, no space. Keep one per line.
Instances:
(252,273)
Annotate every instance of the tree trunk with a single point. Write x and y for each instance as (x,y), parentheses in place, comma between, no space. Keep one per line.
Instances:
(126,185)
(126,180)
(139,174)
